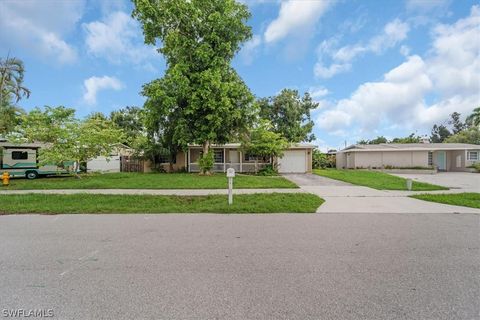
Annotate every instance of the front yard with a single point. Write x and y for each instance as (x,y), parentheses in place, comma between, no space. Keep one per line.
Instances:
(95,203)
(471,200)
(126,180)
(375,180)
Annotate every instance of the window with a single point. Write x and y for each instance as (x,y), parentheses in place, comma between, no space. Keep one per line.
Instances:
(166,159)
(430,158)
(472,155)
(218,155)
(19,155)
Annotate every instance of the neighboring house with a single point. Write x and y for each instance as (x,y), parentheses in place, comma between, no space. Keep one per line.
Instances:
(113,163)
(296,159)
(442,156)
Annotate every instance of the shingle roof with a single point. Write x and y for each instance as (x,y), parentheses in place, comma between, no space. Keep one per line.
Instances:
(411,147)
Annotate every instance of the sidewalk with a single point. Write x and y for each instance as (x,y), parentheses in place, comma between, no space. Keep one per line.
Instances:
(157,192)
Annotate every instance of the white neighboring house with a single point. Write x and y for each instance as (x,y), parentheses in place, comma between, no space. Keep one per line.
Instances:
(111,163)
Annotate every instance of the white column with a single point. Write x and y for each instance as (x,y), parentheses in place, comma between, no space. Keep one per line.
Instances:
(188,159)
(241,159)
(224,161)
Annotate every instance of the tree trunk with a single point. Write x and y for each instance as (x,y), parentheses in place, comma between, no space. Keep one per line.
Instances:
(75,169)
(206,149)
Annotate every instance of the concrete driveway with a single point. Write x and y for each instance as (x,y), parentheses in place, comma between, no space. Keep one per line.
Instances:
(299,266)
(342,197)
(469,182)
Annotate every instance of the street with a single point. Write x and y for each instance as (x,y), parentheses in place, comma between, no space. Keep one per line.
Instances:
(271,266)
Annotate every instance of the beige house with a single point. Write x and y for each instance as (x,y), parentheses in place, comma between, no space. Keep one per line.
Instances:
(441,156)
(296,159)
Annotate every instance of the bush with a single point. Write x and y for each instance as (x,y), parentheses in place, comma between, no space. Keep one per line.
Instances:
(476,166)
(268,170)
(206,162)
(322,160)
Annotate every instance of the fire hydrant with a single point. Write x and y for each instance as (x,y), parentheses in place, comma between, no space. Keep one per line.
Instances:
(5,179)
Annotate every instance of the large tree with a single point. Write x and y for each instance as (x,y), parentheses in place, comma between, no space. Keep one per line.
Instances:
(439,133)
(67,138)
(470,135)
(474,118)
(289,114)
(12,90)
(201,97)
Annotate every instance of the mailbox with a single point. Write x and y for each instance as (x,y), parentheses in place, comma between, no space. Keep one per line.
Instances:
(230,173)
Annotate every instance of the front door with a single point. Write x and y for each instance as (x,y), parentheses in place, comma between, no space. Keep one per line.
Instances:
(442,160)
(234,156)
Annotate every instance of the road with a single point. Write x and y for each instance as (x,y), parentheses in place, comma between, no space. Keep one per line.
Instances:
(277,266)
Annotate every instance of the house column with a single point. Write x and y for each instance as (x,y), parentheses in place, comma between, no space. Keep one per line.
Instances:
(224,161)
(188,159)
(241,164)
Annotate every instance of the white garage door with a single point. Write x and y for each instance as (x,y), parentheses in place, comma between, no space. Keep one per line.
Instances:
(293,161)
(101,164)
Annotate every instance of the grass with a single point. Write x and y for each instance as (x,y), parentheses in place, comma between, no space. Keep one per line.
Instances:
(95,203)
(126,180)
(375,180)
(471,200)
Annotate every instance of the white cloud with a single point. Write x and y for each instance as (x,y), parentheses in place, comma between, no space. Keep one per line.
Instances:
(426,5)
(40,27)
(450,73)
(93,85)
(250,49)
(117,38)
(393,33)
(295,17)
(318,92)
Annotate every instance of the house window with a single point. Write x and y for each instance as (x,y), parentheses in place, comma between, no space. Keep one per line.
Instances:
(472,155)
(430,158)
(218,155)
(166,159)
(19,155)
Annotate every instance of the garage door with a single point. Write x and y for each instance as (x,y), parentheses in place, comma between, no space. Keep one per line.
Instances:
(293,161)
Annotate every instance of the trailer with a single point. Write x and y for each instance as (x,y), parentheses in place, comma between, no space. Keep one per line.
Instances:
(21,160)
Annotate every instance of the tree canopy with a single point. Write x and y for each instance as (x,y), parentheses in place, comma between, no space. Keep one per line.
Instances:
(289,114)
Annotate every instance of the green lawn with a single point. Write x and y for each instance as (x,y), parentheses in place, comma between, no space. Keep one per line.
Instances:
(375,179)
(126,180)
(95,203)
(471,200)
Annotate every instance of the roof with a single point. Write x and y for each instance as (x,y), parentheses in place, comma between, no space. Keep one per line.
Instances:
(6,144)
(410,147)
(238,145)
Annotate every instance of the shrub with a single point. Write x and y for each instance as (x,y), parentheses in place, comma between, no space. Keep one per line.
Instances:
(322,160)
(268,170)
(206,162)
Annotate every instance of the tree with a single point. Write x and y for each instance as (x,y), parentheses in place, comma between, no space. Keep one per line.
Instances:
(439,133)
(11,91)
(131,120)
(456,123)
(289,114)
(264,142)
(67,138)
(474,118)
(201,97)
(322,160)
(412,138)
(470,135)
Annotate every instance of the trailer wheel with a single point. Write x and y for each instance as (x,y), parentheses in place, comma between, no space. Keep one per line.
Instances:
(31,175)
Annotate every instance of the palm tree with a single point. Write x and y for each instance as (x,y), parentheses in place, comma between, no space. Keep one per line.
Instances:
(474,118)
(11,80)
(11,91)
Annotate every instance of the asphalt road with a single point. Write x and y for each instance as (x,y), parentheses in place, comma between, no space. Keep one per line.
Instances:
(299,266)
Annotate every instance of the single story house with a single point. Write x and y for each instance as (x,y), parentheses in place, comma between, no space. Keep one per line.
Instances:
(442,156)
(296,159)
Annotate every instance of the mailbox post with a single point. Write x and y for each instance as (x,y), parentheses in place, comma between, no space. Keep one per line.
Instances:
(230,176)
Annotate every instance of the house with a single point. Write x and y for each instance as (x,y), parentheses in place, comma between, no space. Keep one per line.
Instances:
(442,156)
(296,159)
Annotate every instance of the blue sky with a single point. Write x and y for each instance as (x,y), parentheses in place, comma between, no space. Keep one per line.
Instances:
(375,67)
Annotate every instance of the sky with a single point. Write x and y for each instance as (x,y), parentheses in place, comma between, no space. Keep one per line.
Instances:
(375,68)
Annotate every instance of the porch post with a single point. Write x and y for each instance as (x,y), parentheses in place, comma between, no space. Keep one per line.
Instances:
(188,159)
(224,161)
(241,164)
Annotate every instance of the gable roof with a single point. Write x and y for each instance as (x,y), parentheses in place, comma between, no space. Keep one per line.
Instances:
(410,147)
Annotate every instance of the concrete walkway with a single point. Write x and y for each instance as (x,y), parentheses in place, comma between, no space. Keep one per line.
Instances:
(357,199)
(157,192)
